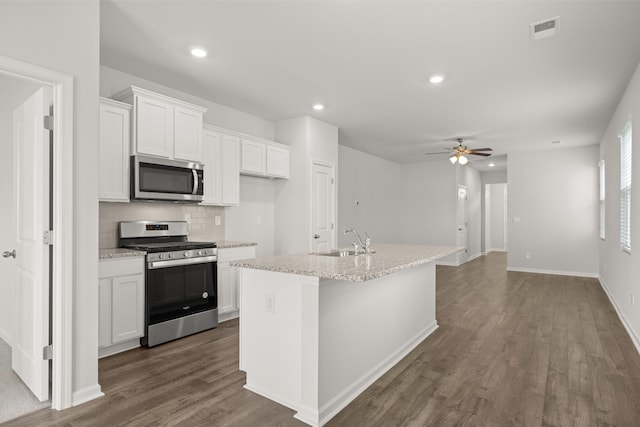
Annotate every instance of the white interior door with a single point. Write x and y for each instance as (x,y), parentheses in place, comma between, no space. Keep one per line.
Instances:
(31,148)
(461,239)
(322,216)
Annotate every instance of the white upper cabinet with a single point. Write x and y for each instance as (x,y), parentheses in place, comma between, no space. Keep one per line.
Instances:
(187,130)
(254,157)
(264,158)
(230,170)
(221,168)
(277,161)
(114,151)
(164,126)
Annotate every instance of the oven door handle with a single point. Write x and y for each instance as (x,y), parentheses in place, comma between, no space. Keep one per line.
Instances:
(177,262)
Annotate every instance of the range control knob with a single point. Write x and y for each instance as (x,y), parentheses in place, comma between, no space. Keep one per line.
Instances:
(186,254)
(169,255)
(161,256)
(199,252)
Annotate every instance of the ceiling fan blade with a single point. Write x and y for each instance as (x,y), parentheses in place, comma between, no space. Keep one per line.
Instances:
(479,154)
(441,152)
(482,149)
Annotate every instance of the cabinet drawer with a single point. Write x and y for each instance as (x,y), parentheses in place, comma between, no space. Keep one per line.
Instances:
(120,267)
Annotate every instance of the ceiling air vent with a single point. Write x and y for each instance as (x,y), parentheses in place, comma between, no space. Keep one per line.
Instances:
(544,29)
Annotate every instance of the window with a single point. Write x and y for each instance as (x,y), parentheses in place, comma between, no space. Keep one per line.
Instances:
(601,198)
(625,188)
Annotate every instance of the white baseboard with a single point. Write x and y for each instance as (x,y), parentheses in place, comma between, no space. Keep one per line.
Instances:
(342,399)
(632,334)
(229,315)
(497,250)
(459,263)
(555,272)
(447,263)
(86,394)
(6,337)
(118,348)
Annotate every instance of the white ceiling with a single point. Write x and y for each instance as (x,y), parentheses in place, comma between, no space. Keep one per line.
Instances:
(369,63)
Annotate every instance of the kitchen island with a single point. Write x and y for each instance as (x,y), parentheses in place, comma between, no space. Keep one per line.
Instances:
(317,330)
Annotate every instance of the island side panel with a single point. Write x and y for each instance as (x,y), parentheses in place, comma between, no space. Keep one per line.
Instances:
(367,327)
(279,338)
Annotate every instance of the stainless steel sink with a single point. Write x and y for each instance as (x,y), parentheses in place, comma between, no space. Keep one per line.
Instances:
(342,253)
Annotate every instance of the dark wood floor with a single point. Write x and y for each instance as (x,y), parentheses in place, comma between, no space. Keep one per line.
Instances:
(512,349)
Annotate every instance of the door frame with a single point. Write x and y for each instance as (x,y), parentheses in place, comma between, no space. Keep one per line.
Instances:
(334,236)
(63,218)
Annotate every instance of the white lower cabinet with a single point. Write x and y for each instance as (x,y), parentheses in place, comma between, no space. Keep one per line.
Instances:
(121,304)
(228,280)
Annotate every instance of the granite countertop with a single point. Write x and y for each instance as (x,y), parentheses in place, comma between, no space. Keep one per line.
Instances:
(111,253)
(225,244)
(388,258)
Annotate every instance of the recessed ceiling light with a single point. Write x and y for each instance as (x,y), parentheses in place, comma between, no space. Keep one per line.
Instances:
(438,78)
(318,107)
(491,165)
(198,52)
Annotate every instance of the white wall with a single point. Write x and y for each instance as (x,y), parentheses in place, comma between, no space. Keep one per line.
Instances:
(554,193)
(309,140)
(620,271)
(367,196)
(256,194)
(65,36)
(253,220)
(14,92)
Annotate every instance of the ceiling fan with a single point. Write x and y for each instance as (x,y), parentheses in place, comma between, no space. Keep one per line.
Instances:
(460,152)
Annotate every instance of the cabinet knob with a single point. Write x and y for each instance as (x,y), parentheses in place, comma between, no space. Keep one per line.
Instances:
(316,236)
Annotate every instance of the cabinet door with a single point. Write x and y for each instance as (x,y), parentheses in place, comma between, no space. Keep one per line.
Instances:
(227,288)
(230,170)
(187,131)
(104,312)
(254,158)
(127,314)
(114,153)
(277,162)
(211,157)
(154,127)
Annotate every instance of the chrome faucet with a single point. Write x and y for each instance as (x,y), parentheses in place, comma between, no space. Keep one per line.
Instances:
(364,244)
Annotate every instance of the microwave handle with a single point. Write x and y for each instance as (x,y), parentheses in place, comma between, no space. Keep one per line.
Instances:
(196,182)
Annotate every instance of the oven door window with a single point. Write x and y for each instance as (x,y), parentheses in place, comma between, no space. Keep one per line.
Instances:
(173,292)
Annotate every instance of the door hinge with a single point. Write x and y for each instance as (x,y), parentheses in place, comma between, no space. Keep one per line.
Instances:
(47,237)
(332,226)
(47,352)
(332,180)
(48,122)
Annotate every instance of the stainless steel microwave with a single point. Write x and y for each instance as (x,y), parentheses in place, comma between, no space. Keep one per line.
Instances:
(154,178)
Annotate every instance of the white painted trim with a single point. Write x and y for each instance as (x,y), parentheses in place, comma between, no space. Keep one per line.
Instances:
(4,336)
(118,348)
(228,315)
(63,249)
(497,250)
(448,263)
(346,396)
(627,325)
(555,272)
(86,394)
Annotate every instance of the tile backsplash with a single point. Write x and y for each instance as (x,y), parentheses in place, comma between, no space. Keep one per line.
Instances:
(201,219)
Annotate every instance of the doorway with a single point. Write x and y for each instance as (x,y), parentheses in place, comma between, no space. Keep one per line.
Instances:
(61,270)
(16,397)
(495,217)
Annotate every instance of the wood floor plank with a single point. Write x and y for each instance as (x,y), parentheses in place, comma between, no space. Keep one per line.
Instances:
(512,349)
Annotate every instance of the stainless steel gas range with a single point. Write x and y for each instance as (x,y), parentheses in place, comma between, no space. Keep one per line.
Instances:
(181,279)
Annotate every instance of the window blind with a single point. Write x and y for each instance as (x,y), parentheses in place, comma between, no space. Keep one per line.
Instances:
(602,199)
(625,188)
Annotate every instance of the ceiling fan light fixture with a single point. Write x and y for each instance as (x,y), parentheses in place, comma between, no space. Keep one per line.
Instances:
(453,159)
(463,160)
